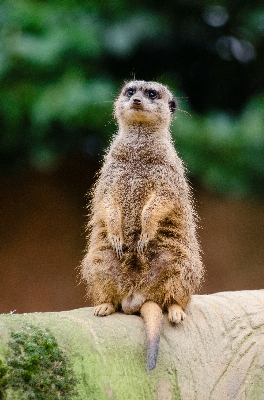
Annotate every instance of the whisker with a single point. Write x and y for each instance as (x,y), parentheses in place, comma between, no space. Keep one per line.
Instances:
(185,112)
(104,101)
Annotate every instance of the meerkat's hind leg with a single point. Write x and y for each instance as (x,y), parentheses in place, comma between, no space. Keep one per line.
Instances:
(104,309)
(176,313)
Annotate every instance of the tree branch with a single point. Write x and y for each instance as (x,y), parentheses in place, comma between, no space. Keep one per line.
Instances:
(217,353)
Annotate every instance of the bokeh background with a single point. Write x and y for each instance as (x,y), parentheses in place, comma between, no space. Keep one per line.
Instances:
(62,63)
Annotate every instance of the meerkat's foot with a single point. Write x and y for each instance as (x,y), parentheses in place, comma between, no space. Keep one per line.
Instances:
(176,314)
(104,309)
(117,245)
(142,243)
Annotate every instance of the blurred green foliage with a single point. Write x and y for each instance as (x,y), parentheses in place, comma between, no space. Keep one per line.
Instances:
(62,63)
(223,152)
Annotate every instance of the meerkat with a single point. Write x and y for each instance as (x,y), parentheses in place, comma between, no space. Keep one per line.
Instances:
(143,255)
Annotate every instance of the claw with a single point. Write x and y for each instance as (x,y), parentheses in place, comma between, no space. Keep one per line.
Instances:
(104,309)
(117,246)
(176,314)
(142,243)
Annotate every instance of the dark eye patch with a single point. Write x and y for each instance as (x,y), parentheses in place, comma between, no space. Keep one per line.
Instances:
(153,94)
(129,92)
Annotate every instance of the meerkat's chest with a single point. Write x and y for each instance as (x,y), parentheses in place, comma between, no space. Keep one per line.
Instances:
(134,188)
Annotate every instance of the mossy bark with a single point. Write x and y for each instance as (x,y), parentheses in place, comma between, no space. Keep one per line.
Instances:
(217,353)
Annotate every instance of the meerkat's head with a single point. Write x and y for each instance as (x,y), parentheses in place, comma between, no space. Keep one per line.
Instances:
(145,103)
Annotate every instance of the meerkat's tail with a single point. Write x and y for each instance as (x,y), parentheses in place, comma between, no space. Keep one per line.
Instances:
(152,316)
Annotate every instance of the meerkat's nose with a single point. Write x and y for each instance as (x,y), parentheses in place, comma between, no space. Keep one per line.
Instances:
(136,101)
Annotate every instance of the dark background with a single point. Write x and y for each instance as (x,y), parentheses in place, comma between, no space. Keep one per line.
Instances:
(62,63)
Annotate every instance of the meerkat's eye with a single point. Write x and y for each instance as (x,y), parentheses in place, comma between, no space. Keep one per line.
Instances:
(129,92)
(152,94)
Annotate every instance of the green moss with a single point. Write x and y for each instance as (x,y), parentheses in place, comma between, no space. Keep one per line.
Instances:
(36,368)
(254,390)
(3,378)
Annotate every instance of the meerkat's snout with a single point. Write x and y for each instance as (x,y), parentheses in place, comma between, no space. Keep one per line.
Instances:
(137,101)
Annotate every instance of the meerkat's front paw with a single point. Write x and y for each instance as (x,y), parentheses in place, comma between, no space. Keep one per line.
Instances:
(104,309)
(117,245)
(176,314)
(142,243)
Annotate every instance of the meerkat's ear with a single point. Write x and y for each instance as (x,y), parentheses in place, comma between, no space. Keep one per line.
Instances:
(173,105)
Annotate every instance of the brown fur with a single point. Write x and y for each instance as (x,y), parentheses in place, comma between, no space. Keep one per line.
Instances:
(142,243)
